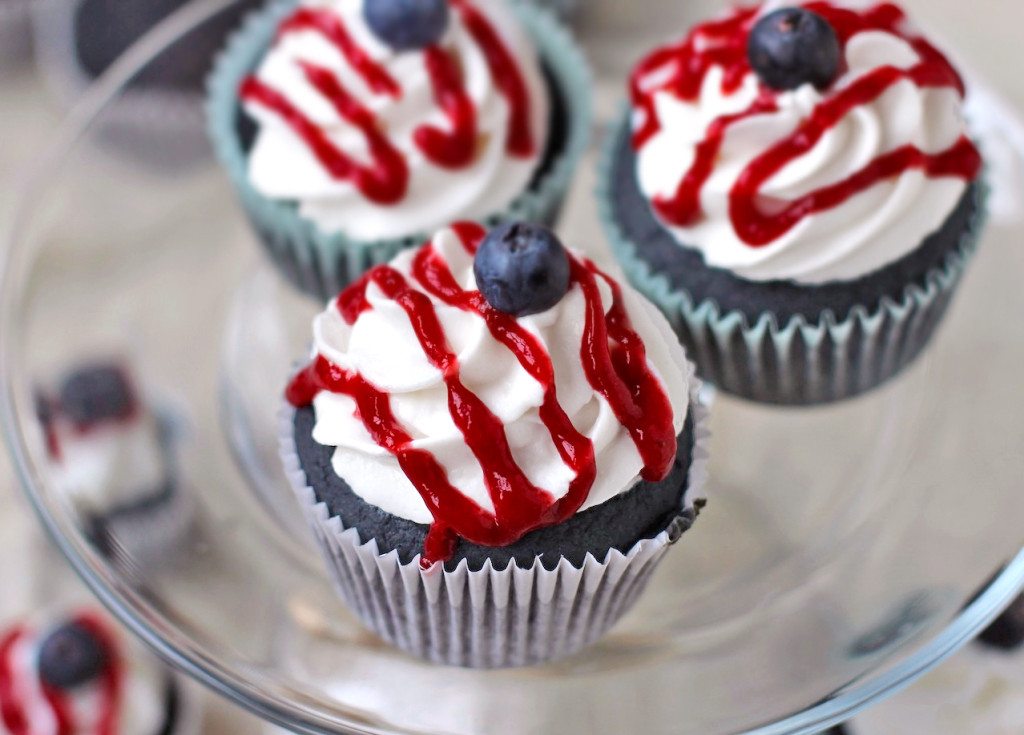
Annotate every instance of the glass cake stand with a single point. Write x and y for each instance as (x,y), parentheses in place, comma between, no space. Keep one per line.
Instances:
(845,550)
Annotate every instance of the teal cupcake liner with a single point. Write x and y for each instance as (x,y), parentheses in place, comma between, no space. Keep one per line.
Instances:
(322,264)
(801,361)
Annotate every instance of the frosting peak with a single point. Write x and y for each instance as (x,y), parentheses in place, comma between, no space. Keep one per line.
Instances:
(436,402)
(379,143)
(807,185)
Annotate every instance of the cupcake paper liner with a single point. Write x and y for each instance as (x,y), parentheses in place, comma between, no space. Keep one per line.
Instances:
(322,264)
(802,361)
(491,617)
(564,8)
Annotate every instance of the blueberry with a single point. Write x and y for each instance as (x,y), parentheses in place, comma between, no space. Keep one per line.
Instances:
(96,393)
(71,656)
(792,47)
(522,268)
(407,24)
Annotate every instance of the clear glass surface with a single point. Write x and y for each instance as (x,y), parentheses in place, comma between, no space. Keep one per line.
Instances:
(846,549)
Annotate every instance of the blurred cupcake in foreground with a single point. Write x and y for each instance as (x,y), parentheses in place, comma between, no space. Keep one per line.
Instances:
(495,443)
(355,128)
(795,187)
(113,458)
(74,674)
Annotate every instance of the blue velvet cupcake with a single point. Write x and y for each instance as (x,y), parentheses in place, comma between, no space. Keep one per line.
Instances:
(495,443)
(355,128)
(796,189)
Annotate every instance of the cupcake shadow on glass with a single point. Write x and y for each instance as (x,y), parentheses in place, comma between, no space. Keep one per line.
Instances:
(550,567)
(760,328)
(320,258)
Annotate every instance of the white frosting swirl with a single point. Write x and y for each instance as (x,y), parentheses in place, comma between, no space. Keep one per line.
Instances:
(383,348)
(869,230)
(143,702)
(281,165)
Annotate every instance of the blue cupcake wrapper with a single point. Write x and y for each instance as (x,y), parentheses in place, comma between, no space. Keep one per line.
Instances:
(321,263)
(800,361)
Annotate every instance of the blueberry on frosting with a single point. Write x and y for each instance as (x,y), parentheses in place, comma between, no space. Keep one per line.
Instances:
(522,268)
(792,47)
(71,656)
(407,24)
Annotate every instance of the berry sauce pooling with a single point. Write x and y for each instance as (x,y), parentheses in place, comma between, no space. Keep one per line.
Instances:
(385,180)
(681,70)
(613,359)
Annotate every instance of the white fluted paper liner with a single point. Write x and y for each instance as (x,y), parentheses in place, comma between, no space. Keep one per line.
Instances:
(800,362)
(492,617)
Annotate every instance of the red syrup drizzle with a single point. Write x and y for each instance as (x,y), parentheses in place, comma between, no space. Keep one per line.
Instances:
(457,148)
(507,76)
(386,181)
(614,361)
(723,43)
(13,713)
(331,27)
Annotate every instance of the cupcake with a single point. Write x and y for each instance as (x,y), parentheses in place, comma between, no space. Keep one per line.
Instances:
(495,443)
(74,674)
(158,118)
(113,458)
(352,129)
(795,188)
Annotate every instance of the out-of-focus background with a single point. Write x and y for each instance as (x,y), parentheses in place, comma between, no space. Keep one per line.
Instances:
(980,690)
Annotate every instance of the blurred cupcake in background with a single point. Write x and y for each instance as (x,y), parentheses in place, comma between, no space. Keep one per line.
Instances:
(794,185)
(352,129)
(113,457)
(74,673)
(495,444)
(159,118)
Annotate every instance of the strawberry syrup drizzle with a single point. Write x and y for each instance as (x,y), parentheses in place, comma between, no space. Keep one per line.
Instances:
(12,710)
(331,27)
(457,148)
(724,44)
(386,181)
(619,373)
(506,74)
